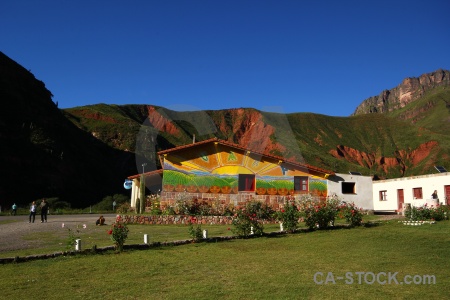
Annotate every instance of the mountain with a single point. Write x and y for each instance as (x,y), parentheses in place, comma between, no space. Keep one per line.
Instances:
(83,154)
(404,142)
(408,91)
(43,154)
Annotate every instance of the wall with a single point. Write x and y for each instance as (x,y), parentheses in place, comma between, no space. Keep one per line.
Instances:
(221,201)
(428,183)
(214,168)
(179,220)
(363,193)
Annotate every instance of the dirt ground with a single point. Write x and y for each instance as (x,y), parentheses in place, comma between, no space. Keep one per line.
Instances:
(13,229)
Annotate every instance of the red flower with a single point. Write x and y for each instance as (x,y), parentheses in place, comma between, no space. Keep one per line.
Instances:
(110,231)
(228,228)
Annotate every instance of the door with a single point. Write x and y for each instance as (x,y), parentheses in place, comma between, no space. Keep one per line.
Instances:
(447,194)
(400,199)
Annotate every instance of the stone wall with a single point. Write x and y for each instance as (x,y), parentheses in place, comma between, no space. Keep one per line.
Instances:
(177,219)
(276,202)
(182,220)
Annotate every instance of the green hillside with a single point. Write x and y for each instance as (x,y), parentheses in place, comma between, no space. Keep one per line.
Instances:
(373,139)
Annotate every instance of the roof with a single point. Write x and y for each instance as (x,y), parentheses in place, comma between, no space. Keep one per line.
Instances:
(146,174)
(236,146)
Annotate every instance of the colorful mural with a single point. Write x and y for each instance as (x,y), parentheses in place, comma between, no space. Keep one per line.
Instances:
(216,169)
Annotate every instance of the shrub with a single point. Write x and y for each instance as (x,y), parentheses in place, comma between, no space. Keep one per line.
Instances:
(169,210)
(153,202)
(440,213)
(289,216)
(425,212)
(56,204)
(351,213)
(124,208)
(319,214)
(193,207)
(73,236)
(195,232)
(107,202)
(119,233)
(246,220)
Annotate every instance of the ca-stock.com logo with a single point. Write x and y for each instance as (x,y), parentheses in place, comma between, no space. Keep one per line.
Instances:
(371,278)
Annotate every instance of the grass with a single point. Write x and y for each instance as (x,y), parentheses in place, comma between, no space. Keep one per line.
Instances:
(280,267)
(50,242)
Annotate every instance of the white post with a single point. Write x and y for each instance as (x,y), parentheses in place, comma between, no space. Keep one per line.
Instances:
(251,230)
(281,227)
(78,244)
(145,238)
(205,234)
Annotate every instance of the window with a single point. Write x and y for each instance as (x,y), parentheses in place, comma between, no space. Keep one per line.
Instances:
(246,182)
(417,193)
(348,187)
(383,195)
(300,183)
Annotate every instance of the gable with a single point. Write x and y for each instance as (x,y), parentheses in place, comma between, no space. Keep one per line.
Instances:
(216,157)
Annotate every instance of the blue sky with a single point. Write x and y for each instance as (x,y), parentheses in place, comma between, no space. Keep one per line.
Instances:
(324,57)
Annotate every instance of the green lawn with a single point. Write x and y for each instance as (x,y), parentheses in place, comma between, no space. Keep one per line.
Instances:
(281,267)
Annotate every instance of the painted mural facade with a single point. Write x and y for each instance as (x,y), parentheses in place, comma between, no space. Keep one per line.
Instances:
(221,169)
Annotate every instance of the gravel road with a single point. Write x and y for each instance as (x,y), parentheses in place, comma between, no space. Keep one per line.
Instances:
(15,229)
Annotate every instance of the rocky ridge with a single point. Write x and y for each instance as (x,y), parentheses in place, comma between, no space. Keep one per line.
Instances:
(409,90)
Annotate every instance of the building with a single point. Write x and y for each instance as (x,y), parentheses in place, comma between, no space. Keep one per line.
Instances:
(153,182)
(222,172)
(393,195)
(352,188)
(219,171)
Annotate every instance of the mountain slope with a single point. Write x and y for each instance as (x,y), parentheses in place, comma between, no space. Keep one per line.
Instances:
(44,154)
(373,144)
(408,91)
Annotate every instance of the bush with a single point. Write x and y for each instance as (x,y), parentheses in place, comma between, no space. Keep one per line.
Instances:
(119,233)
(319,214)
(195,232)
(246,221)
(56,204)
(351,213)
(289,216)
(124,208)
(107,203)
(425,212)
(193,207)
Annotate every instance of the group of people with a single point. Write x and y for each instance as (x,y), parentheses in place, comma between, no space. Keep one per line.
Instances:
(44,211)
(44,207)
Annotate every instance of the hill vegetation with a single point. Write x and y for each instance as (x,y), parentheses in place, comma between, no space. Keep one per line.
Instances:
(405,142)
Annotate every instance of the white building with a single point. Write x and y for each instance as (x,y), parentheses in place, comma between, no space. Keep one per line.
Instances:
(392,195)
(352,188)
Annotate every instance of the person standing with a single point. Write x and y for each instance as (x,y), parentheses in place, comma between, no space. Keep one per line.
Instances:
(14,209)
(44,211)
(435,197)
(32,211)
